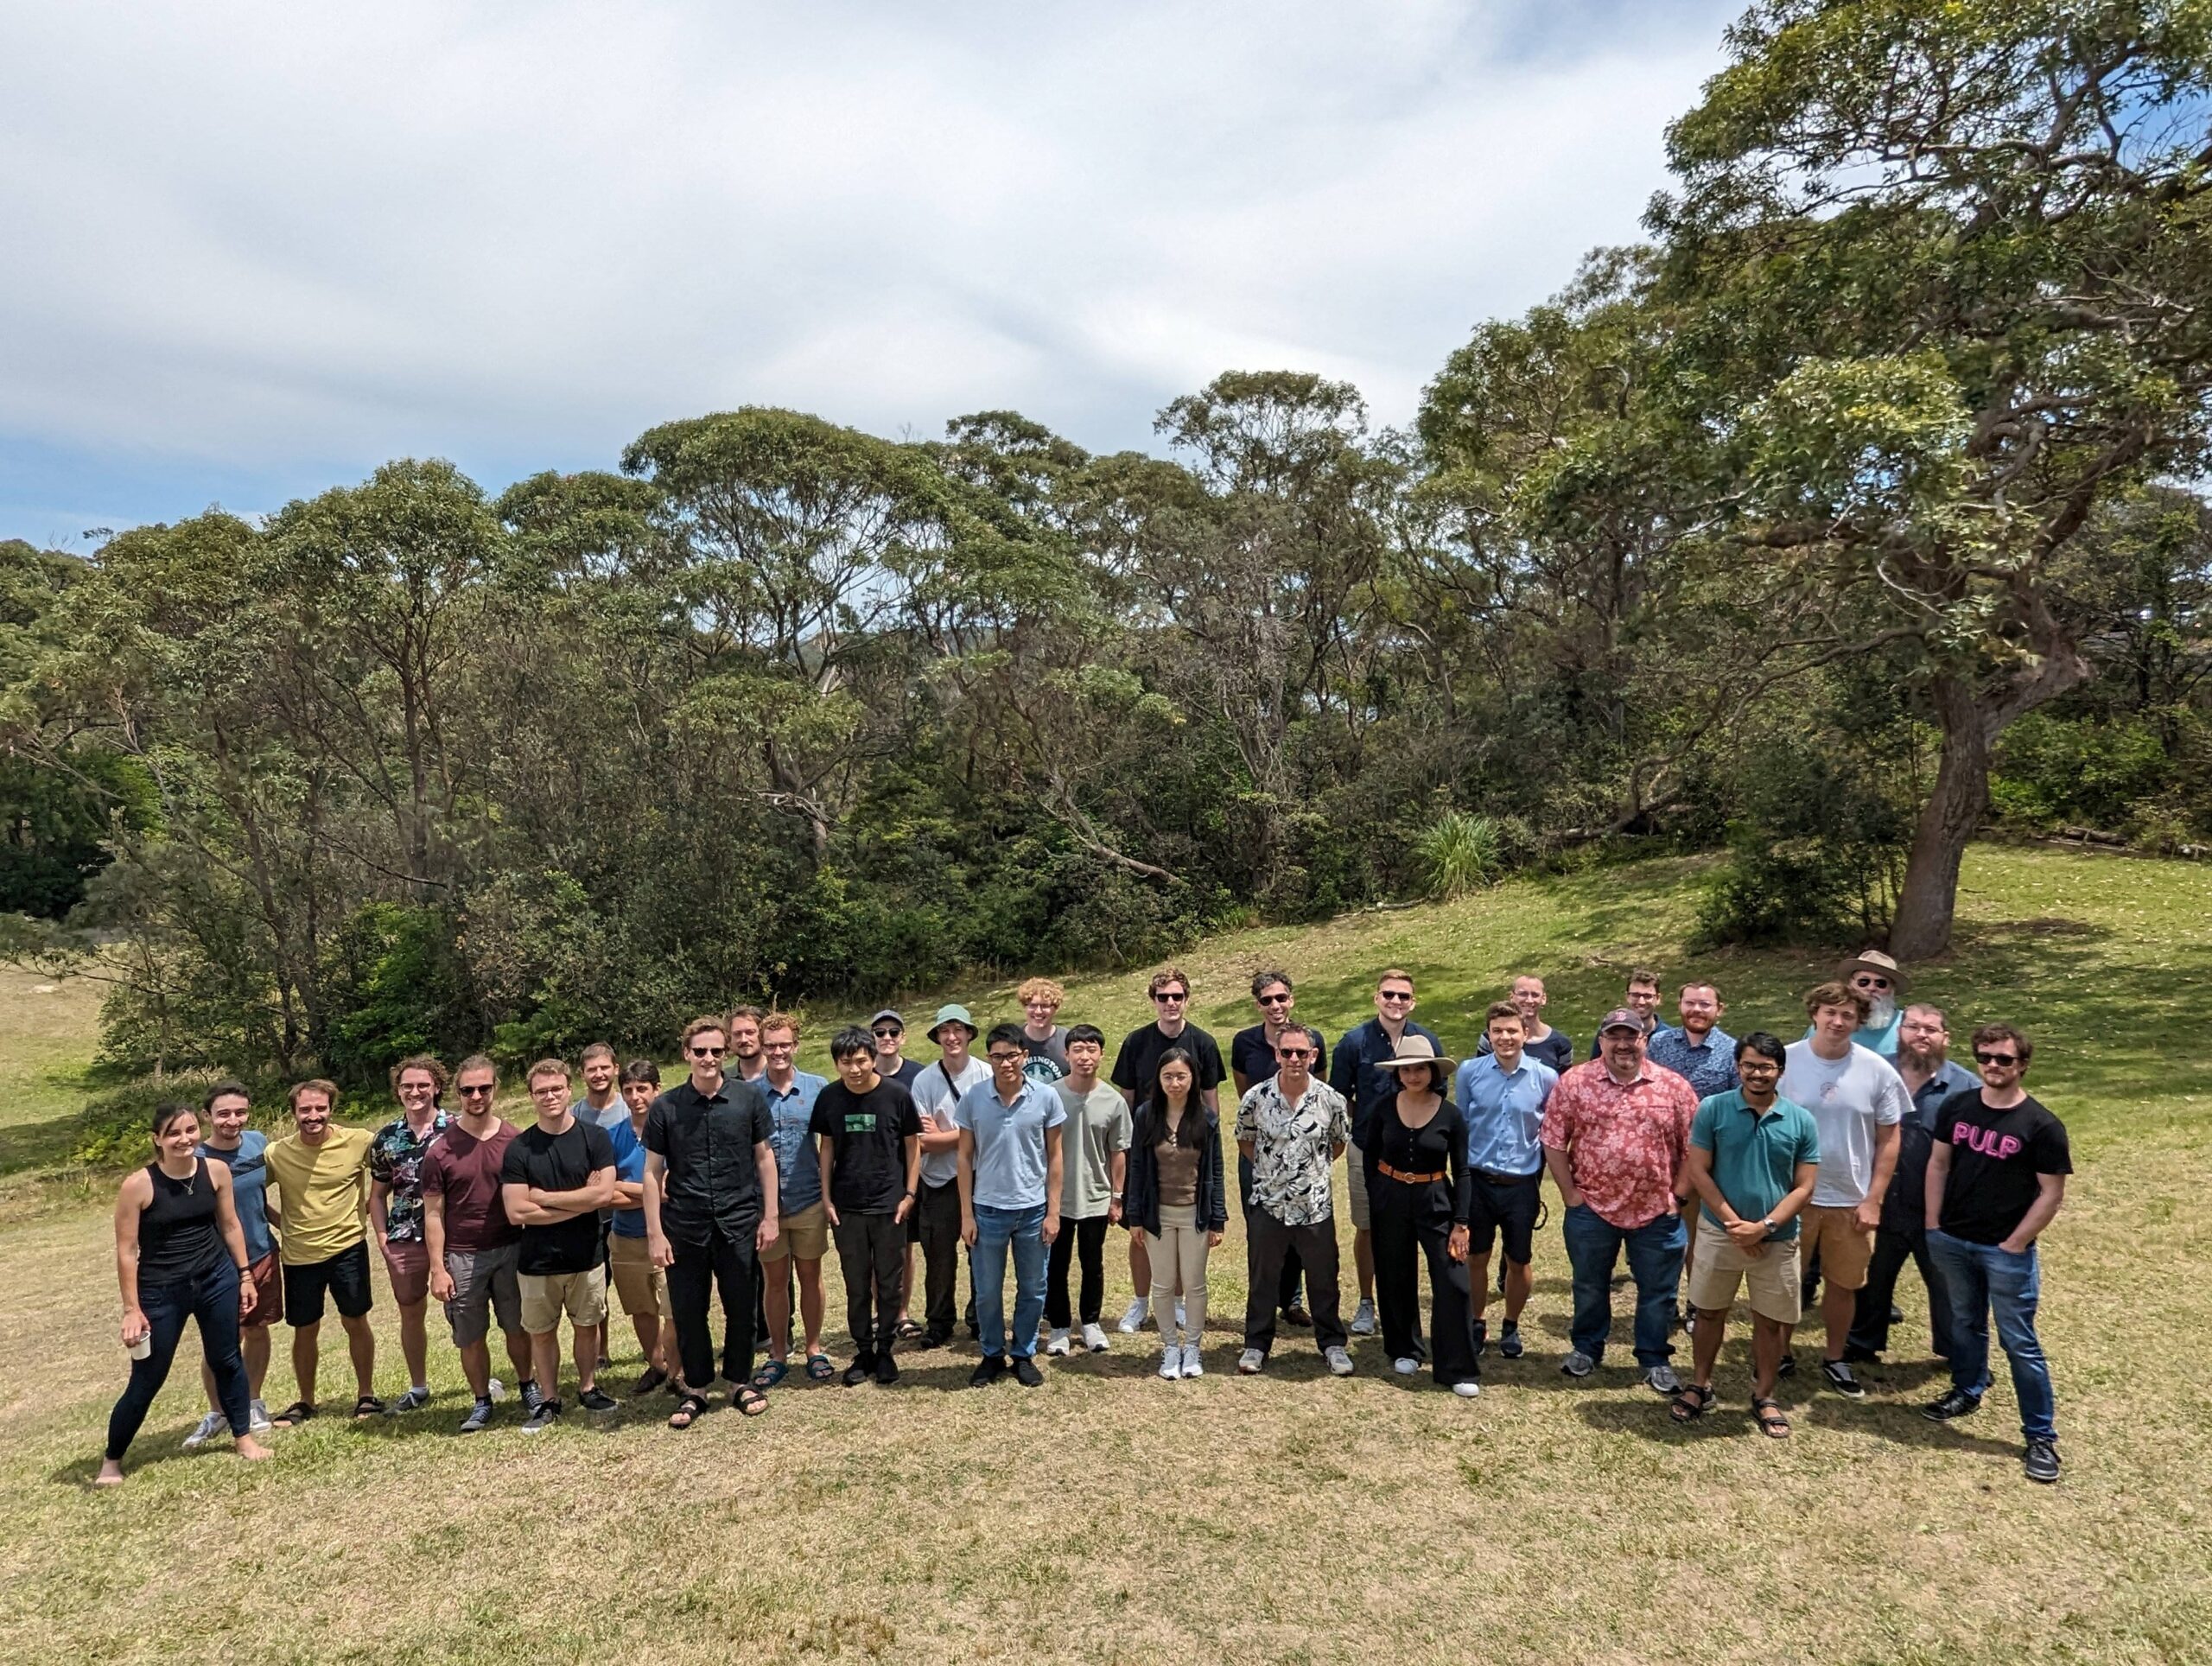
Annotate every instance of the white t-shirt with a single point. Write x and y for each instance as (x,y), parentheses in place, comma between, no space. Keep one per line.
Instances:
(934,1098)
(1849,1097)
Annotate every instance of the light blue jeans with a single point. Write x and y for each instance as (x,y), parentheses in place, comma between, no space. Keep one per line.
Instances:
(997,1231)
(1983,1279)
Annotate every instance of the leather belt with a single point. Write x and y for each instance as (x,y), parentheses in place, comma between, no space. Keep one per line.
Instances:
(1403,1177)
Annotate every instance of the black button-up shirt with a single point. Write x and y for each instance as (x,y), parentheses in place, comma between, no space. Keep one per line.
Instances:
(707,1143)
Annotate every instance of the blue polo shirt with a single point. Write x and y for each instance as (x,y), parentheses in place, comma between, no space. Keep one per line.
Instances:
(1504,1109)
(629,1166)
(799,1160)
(1755,1156)
(1709,1067)
(1009,1140)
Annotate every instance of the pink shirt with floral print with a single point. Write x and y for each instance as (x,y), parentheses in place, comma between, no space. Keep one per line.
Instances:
(1625,1141)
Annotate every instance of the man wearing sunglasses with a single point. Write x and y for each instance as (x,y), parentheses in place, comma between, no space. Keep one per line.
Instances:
(1881,981)
(473,1245)
(1361,1076)
(1135,1067)
(710,1206)
(1996,1177)
(1291,1128)
(1252,1061)
(889,1029)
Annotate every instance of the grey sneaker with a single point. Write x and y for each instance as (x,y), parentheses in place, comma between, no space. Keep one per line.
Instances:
(543,1416)
(532,1396)
(1191,1364)
(1133,1320)
(496,1388)
(1467,1390)
(1094,1336)
(1251,1363)
(256,1419)
(1577,1363)
(1363,1317)
(1842,1380)
(478,1418)
(1058,1343)
(1405,1367)
(1339,1362)
(205,1430)
(413,1399)
(1661,1379)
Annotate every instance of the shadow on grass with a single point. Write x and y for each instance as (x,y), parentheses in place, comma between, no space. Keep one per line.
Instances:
(1648,1419)
(38,1145)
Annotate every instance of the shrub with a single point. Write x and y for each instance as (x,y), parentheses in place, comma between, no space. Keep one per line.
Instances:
(1459,853)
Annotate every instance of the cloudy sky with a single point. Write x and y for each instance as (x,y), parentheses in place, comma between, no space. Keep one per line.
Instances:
(252,250)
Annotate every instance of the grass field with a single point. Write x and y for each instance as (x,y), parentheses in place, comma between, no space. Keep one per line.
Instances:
(1110,1516)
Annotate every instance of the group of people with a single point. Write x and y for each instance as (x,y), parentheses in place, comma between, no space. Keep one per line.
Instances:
(1746,1165)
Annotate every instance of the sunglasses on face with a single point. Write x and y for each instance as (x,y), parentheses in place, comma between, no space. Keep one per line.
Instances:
(709,1053)
(1294,1055)
(1867,981)
(1980,1058)
(476,1093)
(886,1035)
(1274,1000)
(1397,994)
(1171,994)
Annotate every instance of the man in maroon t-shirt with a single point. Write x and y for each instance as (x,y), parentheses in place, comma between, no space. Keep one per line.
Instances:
(472,1243)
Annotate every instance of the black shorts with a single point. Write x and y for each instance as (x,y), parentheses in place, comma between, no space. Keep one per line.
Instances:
(1510,1207)
(345,1276)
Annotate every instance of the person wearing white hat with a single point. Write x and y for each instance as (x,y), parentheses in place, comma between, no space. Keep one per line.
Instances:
(936,1091)
(1419,1192)
(1881,981)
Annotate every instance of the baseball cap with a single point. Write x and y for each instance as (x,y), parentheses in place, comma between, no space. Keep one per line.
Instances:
(1621,1018)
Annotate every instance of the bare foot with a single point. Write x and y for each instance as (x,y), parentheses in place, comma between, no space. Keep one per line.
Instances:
(251,1449)
(111,1473)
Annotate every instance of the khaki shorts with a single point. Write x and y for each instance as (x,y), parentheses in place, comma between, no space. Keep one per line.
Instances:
(1356,1162)
(1718,1267)
(640,1286)
(408,1267)
(1834,1236)
(546,1296)
(805,1235)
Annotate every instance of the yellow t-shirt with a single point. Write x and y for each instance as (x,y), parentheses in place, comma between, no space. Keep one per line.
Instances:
(322,1191)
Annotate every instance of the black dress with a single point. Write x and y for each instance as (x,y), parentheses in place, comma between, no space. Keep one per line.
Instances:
(1415,1217)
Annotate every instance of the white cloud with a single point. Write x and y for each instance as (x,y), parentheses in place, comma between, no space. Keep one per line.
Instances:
(243,234)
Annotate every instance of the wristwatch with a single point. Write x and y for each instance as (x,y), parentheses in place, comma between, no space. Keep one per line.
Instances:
(1769,1224)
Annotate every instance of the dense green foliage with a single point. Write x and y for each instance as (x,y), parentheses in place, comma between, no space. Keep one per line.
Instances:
(1838,516)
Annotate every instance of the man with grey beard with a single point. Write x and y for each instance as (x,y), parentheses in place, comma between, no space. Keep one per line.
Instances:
(1924,1061)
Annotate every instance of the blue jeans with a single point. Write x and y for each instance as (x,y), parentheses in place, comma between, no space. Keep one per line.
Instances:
(1655,1260)
(1024,1231)
(1982,1279)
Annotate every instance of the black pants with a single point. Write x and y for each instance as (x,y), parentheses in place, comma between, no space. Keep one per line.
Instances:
(721,1263)
(872,1253)
(1293,1264)
(1409,1222)
(1870,1320)
(1088,1236)
(212,1300)
(1270,1247)
(940,1217)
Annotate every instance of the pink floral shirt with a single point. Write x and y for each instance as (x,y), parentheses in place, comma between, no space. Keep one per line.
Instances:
(1625,1144)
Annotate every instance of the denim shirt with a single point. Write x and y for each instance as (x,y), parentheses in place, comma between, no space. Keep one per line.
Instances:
(799,1160)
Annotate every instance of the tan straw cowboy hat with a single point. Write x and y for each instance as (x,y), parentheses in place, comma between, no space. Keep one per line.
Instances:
(1875,961)
(1414,1050)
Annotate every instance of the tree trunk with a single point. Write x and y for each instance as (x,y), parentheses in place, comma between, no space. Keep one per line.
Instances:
(1928,897)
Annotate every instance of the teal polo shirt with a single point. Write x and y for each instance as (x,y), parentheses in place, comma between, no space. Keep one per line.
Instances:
(1755,1157)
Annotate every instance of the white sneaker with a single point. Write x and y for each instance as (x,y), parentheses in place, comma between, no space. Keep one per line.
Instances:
(204,1430)
(1405,1367)
(1363,1318)
(497,1389)
(1094,1336)
(1191,1367)
(1339,1362)
(1058,1344)
(1251,1362)
(1467,1390)
(256,1419)
(1171,1362)
(1178,1314)
(1133,1320)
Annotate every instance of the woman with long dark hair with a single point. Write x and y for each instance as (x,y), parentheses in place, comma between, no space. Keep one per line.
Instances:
(180,1254)
(1419,1191)
(1176,1199)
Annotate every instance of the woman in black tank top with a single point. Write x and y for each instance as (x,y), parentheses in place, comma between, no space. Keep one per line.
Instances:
(179,1252)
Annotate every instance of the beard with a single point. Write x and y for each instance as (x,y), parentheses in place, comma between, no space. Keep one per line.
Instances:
(1880,1012)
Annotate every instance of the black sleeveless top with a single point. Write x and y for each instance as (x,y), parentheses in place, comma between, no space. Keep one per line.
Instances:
(178,1239)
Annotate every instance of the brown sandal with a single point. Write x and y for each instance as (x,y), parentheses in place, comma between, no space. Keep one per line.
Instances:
(1768,1415)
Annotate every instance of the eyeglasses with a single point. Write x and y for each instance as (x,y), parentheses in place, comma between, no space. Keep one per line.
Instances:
(1274,1000)
(1395,994)
(1981,1057)
(1007,1058)
(1758,1067)
(1868,981)
(709,1053)
(886,1035)
(1166,995)
(475,1093)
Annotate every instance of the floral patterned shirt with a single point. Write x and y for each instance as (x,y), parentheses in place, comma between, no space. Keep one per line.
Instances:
(1625,1143)
(396,1158)
(1291,1143)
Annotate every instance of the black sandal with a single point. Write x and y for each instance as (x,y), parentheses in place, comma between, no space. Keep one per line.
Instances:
(368,1406)
(750,1401)
(293,1416)
(1768,1415)
(1691,1403)
(689,1410)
